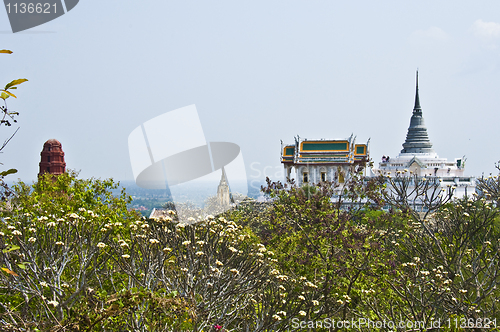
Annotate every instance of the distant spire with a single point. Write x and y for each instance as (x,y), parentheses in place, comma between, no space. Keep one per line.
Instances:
(223,178)
(224,196)
(417,99)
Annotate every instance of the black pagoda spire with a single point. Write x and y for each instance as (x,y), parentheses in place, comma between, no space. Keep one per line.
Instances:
(417,139)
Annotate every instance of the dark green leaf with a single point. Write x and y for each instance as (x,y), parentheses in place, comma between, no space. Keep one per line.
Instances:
(9,171)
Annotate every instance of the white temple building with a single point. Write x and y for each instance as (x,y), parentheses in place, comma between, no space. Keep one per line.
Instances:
(418,158)
(314,161)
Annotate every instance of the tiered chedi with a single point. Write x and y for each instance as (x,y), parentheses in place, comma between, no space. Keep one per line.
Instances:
(418,158)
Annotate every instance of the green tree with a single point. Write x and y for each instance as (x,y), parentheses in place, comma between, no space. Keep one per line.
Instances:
(74,257)
(51,237)
(332,234)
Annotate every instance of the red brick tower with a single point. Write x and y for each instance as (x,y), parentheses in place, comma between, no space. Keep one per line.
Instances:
(52,158)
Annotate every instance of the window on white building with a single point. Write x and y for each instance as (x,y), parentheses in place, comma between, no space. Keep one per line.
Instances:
(323,176)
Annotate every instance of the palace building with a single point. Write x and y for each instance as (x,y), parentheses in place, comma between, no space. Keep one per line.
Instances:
(419,158)
(313,161)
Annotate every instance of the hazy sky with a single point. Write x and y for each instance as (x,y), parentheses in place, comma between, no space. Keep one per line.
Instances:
(258,72)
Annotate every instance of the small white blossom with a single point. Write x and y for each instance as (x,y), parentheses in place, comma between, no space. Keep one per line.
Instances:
(32,240)
(126,256)
(101,245)
(275,272)
(53,303)
(310,284)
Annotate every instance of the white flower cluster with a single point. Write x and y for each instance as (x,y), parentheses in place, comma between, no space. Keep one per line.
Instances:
(123,244)
(310,284)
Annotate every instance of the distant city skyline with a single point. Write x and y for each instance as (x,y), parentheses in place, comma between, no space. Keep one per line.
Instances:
(258,72)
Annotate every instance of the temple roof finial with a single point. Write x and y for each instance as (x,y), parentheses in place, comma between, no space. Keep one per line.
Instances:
(417,99)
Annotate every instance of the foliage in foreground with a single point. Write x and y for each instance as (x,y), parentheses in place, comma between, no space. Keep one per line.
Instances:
(75,258)
(397,265)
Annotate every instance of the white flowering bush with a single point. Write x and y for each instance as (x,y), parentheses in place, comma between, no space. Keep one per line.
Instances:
(216,265)
(52,244)
(75,258)
(448,264)
(57,270)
